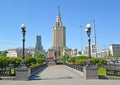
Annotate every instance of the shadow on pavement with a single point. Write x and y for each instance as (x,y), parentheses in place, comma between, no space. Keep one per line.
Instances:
(36,77)
(102,77)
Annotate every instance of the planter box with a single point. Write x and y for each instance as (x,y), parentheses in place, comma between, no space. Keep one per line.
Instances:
(22,73)
(90,72)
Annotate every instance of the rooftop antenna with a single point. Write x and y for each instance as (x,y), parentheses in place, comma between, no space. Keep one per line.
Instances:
(81,27)
(59,9)
(93,25)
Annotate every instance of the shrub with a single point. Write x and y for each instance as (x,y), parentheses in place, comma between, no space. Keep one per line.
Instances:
(81,62)
(40,59)
(71,60)
(98,61)
(102,71)
(64,58)
(29,60)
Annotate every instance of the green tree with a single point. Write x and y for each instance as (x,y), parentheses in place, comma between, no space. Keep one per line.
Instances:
(71,60)
(40,59)
(109,55)
(3,53)
(29,60)
(98,61)
(64,58)
(3,62)
(81,62)
(15,61)
(81,57)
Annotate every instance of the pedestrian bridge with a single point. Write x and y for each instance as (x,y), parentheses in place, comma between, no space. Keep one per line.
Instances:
(57,72)
(59,75)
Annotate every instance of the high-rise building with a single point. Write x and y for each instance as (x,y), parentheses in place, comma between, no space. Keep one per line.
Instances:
(38,45)
(59,33)
(59,39)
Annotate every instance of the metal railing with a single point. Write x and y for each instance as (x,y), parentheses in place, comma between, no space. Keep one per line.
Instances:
(36,69)
(113,71)
(77,67)
(6,72)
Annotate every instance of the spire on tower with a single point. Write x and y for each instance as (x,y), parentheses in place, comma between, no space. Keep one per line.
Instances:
(58,9)
(58,18)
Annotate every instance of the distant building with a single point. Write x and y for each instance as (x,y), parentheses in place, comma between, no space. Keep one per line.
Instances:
(67,51)
(38,45)
(30,52)
(103,53)
(18,52)
(12,53)
(86,51)
(93,50)
(114,49)
(51,52)
(75,52)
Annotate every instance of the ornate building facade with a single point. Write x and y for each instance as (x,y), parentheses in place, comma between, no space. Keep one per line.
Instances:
(58,48)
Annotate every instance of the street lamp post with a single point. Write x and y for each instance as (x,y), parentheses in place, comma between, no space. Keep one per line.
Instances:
(88,30)
(23,27)
(90,68)
(23,72)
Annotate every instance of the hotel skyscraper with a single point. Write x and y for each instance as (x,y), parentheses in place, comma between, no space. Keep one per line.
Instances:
(58,39)
(59,33)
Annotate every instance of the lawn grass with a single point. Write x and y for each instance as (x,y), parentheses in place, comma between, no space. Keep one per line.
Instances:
(102,71)
(8,72)
(12,71)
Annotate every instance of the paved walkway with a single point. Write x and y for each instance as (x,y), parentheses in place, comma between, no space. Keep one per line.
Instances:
(56,72)
(59,75)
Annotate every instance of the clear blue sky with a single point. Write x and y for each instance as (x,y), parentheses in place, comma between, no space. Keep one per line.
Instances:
(40,15)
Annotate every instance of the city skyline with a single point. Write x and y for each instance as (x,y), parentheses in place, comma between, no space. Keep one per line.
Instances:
(39,17)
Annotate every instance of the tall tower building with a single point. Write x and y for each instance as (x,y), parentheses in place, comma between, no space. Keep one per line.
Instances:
(58,39)
(38,45)
(58,32)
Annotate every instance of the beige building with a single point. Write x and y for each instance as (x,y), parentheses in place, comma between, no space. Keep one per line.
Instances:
(59,33)
(12,53)
(58,39)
